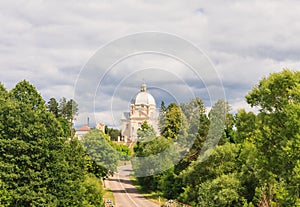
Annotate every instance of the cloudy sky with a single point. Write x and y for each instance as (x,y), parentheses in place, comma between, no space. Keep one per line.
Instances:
(98,51)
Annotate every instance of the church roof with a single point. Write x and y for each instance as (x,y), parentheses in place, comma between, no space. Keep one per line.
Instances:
(84,128)
(143,97)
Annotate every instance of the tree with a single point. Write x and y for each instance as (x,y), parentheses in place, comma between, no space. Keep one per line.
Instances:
(38,165)
(221,161)
(146,132)
(245,126)
(112,133)
(93,191)
(52,106)
(68,110)
(278,136)
(162,112)
(194,111)
(224,191)
(27,93)
(220,122)
(174,122)
(3,91)
(98,146)
(31,150)
(151,159)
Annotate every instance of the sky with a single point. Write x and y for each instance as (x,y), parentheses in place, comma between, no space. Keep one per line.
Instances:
(100,52)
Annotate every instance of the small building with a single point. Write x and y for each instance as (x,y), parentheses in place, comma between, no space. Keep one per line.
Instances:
(142,108)
(82,131)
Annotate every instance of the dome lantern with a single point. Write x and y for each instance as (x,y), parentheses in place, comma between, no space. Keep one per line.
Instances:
(143,87)
(143,97)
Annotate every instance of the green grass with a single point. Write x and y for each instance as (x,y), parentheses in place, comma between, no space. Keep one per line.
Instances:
(155,197)
(108,194)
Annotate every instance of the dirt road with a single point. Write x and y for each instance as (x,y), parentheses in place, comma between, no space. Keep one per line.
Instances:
(126,195)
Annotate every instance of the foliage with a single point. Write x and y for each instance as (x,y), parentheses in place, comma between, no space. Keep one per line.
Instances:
(223,191)
(152,157)
(27,94)
(65,112)
(174,122)
(39,166)
(221,161)
(244,159)
(98,146)
(68,109)
(245,124)
(93,191)
(52,106)
(277,137)
(198,121)
(146,132)
(112,133)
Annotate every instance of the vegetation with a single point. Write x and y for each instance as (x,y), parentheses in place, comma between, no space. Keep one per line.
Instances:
(245,159)
(39,164)
(255,161)
(112,133)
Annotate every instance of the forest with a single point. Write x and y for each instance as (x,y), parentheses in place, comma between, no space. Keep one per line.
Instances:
(215,158)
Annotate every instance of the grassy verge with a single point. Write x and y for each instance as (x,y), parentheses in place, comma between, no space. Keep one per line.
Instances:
(155,197)
(108,194)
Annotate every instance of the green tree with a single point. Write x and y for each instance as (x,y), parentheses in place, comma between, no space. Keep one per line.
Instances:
(174,122)
(151,159)
(98,146)
(223,191)
(245,124)
(194,111)
(278,136)
(3,91)
(52,106)
(146,132)
(68,110)
(112,133)
(38,165)
(162,112)
(220,123)
(93,191)
(27,93)
(221,161)
(31,146)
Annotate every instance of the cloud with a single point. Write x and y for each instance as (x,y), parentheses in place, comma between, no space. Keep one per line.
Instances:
(49,42)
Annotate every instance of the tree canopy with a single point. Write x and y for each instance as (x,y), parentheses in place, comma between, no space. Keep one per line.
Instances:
(39,165)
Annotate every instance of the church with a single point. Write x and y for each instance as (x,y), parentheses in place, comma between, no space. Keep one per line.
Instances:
(142,108)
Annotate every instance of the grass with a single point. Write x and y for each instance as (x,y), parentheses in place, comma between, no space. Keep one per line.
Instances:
(108,194)
(155,197)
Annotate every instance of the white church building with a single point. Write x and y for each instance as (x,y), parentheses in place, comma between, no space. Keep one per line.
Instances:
(142,108)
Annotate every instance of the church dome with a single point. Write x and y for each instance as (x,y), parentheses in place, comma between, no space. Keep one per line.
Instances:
(143,97)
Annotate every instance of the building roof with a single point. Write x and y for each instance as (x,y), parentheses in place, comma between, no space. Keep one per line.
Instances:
(84,128)
(143,97)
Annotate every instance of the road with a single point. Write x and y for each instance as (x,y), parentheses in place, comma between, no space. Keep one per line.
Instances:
(126,195)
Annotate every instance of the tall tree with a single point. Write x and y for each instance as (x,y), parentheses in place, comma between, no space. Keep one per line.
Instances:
(52,106)
(174,122)
(27,93)
(68,110)
(194,111)
(38,167)
(3,91)
(278,136)
(245,126)
(146,132)
(98,146)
